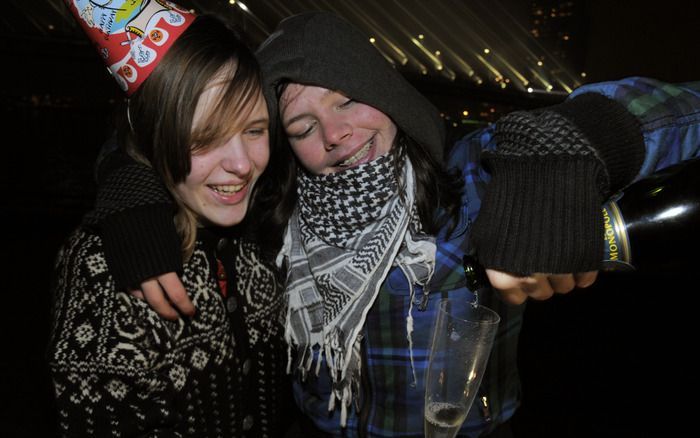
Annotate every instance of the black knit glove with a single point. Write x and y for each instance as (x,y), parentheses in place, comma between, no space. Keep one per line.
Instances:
(551,171)
(134,212)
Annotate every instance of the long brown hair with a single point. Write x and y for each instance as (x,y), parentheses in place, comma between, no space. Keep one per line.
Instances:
(438,191)
(160,114)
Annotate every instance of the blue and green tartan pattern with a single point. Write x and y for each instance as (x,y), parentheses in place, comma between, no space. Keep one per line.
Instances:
(392,401)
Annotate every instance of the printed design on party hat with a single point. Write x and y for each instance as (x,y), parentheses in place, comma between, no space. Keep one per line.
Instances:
(131,35)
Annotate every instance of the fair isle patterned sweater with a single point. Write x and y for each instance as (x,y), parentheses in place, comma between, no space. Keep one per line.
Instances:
(121,370)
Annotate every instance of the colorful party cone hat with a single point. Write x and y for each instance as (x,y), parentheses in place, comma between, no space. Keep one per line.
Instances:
(131,36)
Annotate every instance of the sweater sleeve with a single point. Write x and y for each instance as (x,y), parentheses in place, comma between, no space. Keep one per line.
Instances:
(550,171)
(134,212)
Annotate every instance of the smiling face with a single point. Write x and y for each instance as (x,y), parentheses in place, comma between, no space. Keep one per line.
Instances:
(330,132)
(219,185)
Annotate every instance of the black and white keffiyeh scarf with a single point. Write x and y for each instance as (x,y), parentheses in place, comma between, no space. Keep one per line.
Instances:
(348,230)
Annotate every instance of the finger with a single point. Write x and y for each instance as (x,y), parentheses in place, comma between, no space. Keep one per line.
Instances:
(155,297)
(176,293)
(585,279)
(537,287)
(503,281)
(512,296)
(562,283)
(507,286)
(138,293)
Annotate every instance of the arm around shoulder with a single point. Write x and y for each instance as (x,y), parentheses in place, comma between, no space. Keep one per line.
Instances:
(552,168)
(134,212)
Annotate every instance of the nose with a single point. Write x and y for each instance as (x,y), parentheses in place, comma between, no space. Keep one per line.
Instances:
(235,158)
(335,131)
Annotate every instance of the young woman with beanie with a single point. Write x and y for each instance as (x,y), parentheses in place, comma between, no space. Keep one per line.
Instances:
(199,121)
(383,214)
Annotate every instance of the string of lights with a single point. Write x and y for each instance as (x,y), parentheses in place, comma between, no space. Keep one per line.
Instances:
(479,42)
(507,47)
(468,44)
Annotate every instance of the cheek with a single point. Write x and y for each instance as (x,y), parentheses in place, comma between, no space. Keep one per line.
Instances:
(198,172)
(187,194)
(387,129)
(372,117)
(190,189)
(307,153)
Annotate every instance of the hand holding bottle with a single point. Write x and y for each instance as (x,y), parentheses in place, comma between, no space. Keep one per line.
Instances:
(652,226)
(539,286)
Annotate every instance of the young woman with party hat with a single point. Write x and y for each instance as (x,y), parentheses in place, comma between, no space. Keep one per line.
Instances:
(196,116)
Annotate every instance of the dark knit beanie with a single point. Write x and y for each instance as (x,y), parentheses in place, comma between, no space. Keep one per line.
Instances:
(320,48)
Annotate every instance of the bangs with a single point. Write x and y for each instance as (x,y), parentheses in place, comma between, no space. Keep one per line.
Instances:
(242,89)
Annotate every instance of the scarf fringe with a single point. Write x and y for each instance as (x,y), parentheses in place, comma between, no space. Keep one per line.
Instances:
(404,246)
(409,329)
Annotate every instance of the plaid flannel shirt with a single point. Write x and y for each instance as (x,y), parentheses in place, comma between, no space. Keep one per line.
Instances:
(392,392)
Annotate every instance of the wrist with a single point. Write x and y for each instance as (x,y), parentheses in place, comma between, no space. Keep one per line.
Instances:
(141,243)
(541,216)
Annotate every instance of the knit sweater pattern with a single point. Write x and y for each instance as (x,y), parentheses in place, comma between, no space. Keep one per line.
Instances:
(119,369)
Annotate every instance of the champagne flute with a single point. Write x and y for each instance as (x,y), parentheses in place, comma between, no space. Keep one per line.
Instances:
(462,338)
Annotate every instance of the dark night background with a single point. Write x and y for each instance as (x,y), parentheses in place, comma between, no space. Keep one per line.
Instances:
(611,360)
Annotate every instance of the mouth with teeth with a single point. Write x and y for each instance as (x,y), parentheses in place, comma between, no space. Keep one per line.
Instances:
(230,194)
(357,156)
(227,190)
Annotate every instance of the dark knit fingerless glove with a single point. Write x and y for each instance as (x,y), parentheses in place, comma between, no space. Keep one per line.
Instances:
(551,171)
(134,212)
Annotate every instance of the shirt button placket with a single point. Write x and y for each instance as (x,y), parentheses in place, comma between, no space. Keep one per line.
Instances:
(221,244)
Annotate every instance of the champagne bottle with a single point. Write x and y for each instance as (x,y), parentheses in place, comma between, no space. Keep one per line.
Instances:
(654,224)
